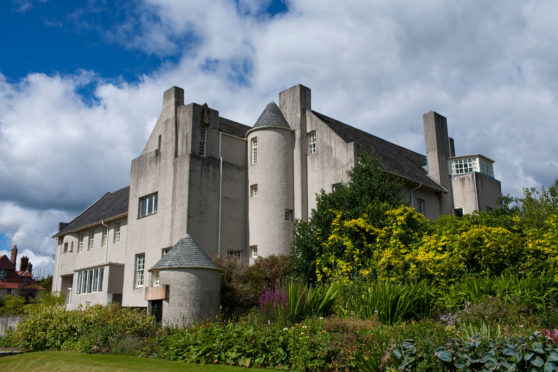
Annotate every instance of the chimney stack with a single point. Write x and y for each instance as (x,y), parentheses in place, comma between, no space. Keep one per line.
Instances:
(13,257)
(23,263)
(30,268)
(438,151)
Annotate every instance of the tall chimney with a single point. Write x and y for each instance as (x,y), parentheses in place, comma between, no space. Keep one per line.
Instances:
(30,268)
(293,103)
(13,256)
(437,144)
(23,263)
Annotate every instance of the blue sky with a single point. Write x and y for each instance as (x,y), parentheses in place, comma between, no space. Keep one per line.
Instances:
(80,35)
(81,85)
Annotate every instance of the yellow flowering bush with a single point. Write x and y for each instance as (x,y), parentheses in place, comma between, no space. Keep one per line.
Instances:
(407,246)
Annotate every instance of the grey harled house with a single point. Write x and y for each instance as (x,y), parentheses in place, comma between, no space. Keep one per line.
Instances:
(207,184)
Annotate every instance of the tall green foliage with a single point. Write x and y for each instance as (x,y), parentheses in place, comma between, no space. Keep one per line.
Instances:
(369,193)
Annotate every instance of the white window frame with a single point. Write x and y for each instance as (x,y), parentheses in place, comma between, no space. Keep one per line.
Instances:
(421,205)
(104,237)
(72,246)
(91,240)
(233,253)
(147,205)
(140,270)
(289,215)
(254,251)
(116,233)
(203,140)
(90,280)
(254,190)
(156,279)
(254,150)
(80,242)
(312,146)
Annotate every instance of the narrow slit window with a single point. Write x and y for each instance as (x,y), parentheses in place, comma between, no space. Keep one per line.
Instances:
(203,139)
(254,150)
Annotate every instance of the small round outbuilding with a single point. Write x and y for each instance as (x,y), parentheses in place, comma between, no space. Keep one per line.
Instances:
(193,283)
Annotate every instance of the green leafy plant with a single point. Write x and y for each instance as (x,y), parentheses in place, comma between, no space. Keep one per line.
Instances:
(390,302)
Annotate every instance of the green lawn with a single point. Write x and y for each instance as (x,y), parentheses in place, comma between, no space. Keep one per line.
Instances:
(61,361)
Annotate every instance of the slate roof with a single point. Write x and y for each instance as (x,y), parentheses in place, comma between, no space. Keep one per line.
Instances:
(271,117)
(185,254)
(111,204)
(395,159)
(232,127)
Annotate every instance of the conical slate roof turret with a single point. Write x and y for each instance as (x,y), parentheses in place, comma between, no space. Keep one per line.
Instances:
(185,254)
(271,117)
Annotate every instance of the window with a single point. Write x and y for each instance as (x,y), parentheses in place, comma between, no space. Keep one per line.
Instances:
(458,212)
(72,246)
(116,237)
(147,205)
(254,150)
(288,214)
(165,251)
(234,253)
(91,239)
(203,139)
(421,205)
(90,280)
(312,142)
(335,186)
(3,274)
(156,279)
(65,247)
(254,250)
(253,190)
(104,240)
(140,265)
(80,242)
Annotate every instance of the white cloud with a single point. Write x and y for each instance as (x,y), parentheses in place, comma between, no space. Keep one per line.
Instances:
(379,65)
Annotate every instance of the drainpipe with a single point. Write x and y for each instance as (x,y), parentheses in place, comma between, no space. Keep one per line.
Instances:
(106,246)
(220,196)
(413,193)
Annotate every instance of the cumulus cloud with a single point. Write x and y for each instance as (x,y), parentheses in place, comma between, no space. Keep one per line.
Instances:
(378,65)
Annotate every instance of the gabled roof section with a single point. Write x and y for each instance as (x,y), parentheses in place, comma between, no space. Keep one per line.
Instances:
(232,127)
(271,117)
(394,158)
(110,205)
(185,254)
(5,263)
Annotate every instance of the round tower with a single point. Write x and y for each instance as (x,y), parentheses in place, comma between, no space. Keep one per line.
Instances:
(270,180)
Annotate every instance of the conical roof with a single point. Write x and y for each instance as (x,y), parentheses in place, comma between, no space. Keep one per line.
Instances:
(271,117)
(185,254)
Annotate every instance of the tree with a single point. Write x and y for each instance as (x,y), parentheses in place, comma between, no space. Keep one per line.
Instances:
(369,193)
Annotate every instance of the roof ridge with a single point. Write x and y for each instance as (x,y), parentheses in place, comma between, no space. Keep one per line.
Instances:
(366,133)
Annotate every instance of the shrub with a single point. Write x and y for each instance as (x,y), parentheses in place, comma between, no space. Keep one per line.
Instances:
(242,285)
(93,329)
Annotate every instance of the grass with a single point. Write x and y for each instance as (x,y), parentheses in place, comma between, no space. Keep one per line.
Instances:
(62,361)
